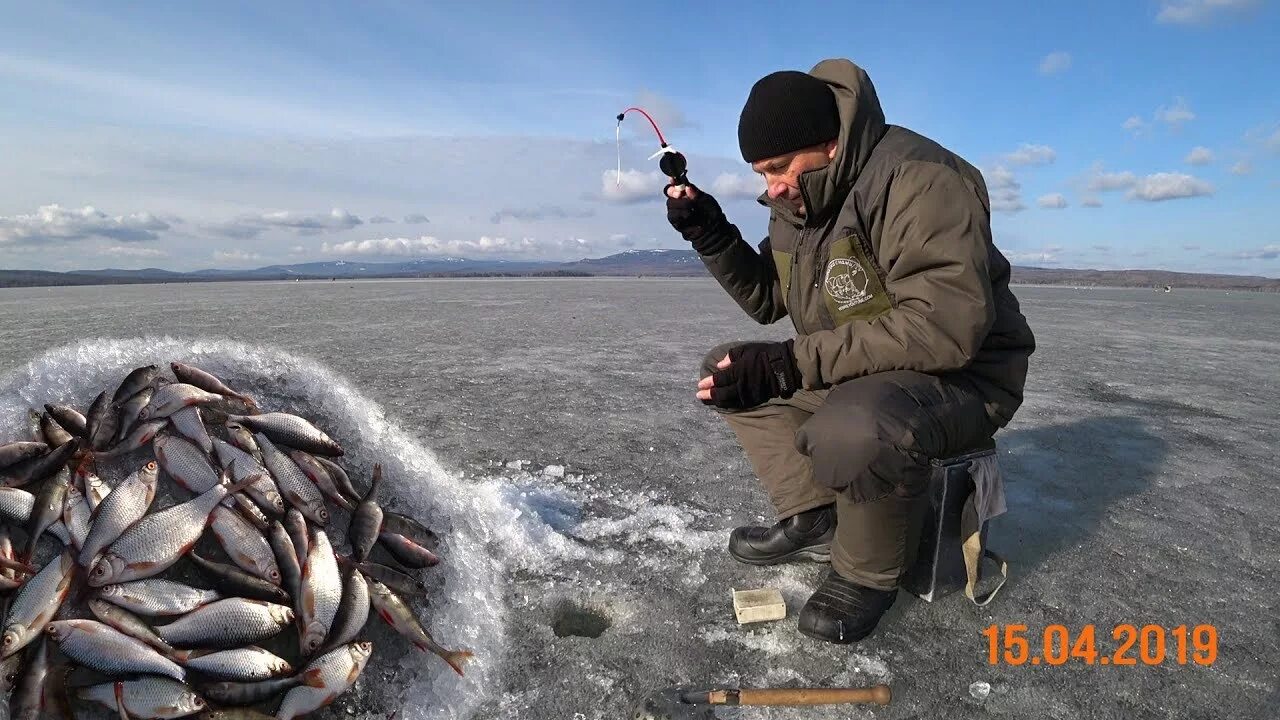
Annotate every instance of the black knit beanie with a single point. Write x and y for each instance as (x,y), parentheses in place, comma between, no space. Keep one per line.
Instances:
(786,111)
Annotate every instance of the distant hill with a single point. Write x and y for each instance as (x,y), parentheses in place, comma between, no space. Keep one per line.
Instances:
(632,263)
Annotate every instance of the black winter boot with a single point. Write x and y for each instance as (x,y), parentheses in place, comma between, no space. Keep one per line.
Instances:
(842,611)
(804,536)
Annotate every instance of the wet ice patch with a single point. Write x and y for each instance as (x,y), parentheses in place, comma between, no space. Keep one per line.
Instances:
(484,526)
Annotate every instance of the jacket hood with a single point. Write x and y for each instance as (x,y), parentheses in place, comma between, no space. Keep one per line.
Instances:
(861,127)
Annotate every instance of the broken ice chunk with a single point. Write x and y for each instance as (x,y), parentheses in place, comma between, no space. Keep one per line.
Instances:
(980,690)
(553,471)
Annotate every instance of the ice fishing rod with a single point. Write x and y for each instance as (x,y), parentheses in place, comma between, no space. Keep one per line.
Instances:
(672,162)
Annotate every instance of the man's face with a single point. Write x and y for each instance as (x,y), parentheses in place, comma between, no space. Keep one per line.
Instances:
(782,173)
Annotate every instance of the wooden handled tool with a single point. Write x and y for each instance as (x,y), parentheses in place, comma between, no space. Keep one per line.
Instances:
(879,694)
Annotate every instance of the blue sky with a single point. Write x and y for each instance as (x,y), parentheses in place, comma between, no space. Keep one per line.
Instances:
(1112,135)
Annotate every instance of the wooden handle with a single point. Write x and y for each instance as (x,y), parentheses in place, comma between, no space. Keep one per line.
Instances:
(879,694)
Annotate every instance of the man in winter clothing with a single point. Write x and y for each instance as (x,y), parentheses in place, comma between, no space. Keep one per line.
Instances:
(909,344)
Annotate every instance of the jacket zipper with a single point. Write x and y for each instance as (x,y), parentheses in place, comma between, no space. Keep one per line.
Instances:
(795,259)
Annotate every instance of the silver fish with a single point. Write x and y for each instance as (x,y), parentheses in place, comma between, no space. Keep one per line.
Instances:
(133,626)
(36,603)
(16,452)
(242,438)
(242,465)
(396,613)
(293,483)
(320,476)
(340,477)
(366,521)
(291,431)
(241,664)
(28,697)
(353,612)
(15,509)
(52,432)
(159,540)
(185,463)
(244,544)
(337,669)
(228,692)
(190,425)
(231,622)
(126,505)
(297,527)
(207,381)
(147,697)
(172,398)
(102,422)
(142,434)
(286,559)
(407,552)
(238,582)
(158,596)
(135,382)
(321,593)
(76,515)
(91,486)
(68,418)
(103,648)
(10,667)
(47,508)
(127,413)
(40,467)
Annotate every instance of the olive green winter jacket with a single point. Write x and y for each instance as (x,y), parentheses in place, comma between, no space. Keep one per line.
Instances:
(893,267)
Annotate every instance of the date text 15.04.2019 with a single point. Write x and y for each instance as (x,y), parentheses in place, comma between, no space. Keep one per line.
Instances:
(1013,644)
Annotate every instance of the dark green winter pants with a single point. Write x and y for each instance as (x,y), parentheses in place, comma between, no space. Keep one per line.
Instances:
(865,445)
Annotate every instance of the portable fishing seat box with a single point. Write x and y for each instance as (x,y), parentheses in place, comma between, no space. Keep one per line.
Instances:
(953,534)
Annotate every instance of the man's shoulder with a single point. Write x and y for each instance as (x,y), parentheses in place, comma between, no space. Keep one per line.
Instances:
(901,146)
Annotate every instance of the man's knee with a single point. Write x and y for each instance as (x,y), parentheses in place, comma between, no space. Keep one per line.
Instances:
(860,443)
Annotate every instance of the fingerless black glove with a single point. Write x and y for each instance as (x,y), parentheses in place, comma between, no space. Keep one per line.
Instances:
(700,221)
(756,373)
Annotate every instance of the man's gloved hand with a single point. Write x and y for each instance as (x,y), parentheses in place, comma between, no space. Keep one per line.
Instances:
(752,374)
(696,216)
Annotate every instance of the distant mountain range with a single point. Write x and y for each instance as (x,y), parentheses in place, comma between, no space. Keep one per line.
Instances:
(632,263)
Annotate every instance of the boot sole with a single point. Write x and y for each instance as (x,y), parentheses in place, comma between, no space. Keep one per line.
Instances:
(806,554)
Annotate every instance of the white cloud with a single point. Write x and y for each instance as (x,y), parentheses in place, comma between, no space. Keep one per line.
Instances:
(1091,202)
(1176,115)
(729,185)
(1044,256)
(1267,252)
(1107,182)
(1242,168)
(432,246)
(131,251)
(416,219)
(1055,62)
(235,255)
(248,227)
(1169,186)
(1199,155)
(544,212)
(1053,201)
(1198,12)
(632,186)
(1028,154)
(1135,125)
(1007,201)
(380,220)
(54,223)
(1002,177)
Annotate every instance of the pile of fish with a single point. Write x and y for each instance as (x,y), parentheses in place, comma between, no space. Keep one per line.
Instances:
(127,612)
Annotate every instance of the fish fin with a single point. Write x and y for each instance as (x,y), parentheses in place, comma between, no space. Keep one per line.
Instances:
(313,678)
(124,714)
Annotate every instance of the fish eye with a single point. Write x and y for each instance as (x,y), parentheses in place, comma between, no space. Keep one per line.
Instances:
(324,514)
(275,575)
(198,701)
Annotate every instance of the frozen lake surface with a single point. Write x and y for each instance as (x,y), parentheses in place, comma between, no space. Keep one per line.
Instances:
(548,430)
